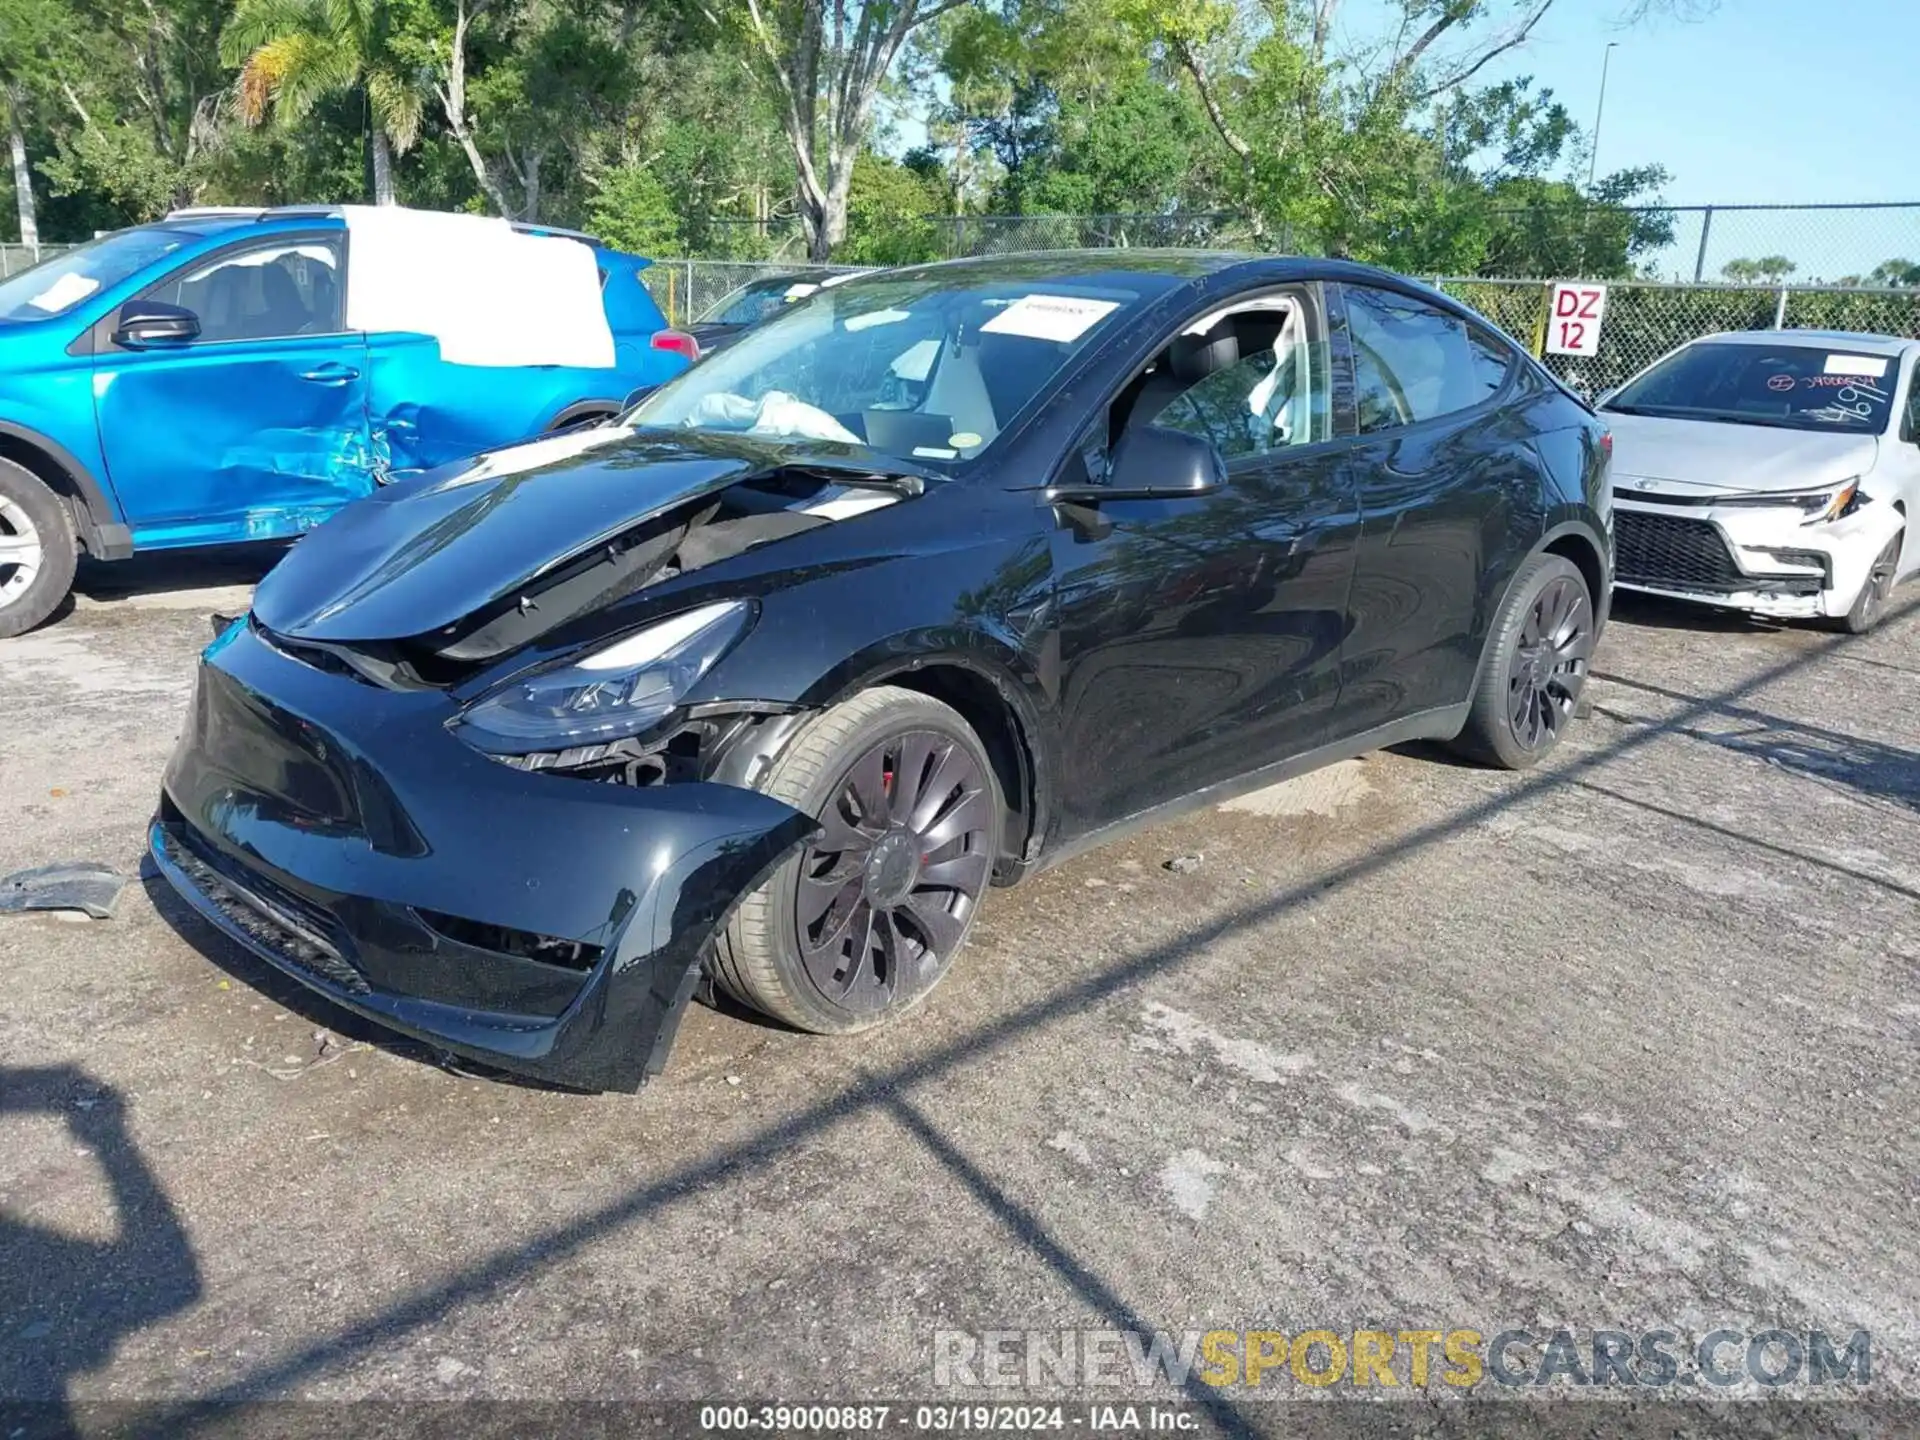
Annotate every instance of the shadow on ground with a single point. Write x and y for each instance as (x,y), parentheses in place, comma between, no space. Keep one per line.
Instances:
(70,1300)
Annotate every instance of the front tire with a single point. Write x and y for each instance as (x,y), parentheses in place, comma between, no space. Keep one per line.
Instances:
(1870,605)
(37,556)
(864,922)
(1534,668)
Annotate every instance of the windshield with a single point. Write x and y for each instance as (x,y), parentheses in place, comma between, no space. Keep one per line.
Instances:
(930,368)
(1796,387)
(55,286)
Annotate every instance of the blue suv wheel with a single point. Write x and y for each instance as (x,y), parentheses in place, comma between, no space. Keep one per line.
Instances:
(36,550)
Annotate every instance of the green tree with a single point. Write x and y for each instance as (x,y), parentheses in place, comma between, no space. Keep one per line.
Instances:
(823,65)
(294,53)
(887,209)
(632,211)
(1767,270)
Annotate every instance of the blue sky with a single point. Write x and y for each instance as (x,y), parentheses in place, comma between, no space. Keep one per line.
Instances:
(1762,101)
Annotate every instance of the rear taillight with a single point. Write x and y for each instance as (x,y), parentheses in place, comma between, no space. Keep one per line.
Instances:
(1606,443)
(677,342)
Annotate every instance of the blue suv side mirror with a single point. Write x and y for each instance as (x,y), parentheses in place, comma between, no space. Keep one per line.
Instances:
(149,322)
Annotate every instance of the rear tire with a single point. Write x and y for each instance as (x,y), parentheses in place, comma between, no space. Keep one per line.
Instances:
(1534,667)
(862,924)
(1870,605)
(37,556)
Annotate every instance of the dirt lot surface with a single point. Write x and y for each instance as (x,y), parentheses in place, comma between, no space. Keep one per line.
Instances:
(1627,1043)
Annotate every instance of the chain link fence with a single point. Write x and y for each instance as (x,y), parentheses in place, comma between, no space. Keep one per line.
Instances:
(1835,245)
(15,258)
(1644,320)
(687,290)
(956,236)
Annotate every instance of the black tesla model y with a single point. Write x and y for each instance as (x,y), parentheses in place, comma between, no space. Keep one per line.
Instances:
(931,580)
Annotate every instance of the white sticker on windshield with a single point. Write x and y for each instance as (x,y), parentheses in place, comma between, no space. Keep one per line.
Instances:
(799,290)
(934,452)
(1050,317)
(1874,366)
(68,290)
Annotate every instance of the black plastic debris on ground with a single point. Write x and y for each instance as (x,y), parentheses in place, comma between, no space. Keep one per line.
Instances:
(81,885)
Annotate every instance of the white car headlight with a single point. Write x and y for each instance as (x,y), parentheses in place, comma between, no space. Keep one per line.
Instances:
(1818,506)
(623,689)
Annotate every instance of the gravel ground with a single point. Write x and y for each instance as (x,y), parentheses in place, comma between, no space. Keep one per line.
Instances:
(1627,1043)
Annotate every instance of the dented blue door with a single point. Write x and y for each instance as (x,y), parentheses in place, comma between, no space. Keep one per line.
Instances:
(257,429)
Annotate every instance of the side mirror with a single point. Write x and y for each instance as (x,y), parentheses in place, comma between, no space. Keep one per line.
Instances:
(634,397)
(1153,463)
(149,322)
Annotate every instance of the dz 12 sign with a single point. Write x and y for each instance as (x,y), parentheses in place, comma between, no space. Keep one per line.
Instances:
(1573,323)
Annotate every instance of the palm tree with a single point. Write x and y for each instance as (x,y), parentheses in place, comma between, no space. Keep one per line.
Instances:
(1895,272)
(294,53)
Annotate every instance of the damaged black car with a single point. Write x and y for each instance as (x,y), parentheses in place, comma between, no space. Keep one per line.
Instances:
(938,577)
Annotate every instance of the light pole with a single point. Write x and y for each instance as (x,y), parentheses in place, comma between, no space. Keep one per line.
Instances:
(1599,111)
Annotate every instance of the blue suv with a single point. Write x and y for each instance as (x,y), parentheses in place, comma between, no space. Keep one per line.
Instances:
(193,382)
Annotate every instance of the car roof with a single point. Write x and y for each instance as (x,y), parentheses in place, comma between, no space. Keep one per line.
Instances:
(1150,271)
(1856,340)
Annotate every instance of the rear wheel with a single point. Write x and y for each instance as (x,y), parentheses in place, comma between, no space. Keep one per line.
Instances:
(1871,603)
(863,923)
(1534,668)
(36,550)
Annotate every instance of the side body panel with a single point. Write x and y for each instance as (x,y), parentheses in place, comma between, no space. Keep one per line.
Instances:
(1451,506)
(249,440)
(1199,638)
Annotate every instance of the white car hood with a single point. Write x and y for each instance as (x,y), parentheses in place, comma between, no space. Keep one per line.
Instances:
(1706,456)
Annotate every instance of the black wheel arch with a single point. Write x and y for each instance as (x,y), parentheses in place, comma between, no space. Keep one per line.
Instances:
(1576,540)
(579,410)
(95,520)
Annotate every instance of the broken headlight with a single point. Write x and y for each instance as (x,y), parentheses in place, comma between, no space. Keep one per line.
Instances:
(623,689)
(1816,505)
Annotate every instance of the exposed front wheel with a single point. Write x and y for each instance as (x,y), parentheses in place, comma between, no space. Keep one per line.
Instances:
(1534,668)
(864,922)
(1871,604)
(36,550)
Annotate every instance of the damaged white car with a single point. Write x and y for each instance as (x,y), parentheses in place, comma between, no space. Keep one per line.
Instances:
(1771,472)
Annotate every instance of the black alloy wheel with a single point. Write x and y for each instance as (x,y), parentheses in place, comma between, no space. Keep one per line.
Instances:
(1534,666)
(889,884)
(863,922)
(1548,667)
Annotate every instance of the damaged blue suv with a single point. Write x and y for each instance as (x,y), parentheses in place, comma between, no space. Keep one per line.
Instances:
(229,376)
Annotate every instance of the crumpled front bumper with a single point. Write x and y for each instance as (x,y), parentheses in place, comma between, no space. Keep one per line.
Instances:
(1777,565)
(545,925)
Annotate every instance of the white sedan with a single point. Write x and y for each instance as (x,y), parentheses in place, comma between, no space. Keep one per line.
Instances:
(1770,471)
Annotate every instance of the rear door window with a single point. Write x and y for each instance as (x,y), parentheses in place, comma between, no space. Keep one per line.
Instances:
(1413,361)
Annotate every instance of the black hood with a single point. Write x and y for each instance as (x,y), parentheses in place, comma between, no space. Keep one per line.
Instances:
(423,555)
